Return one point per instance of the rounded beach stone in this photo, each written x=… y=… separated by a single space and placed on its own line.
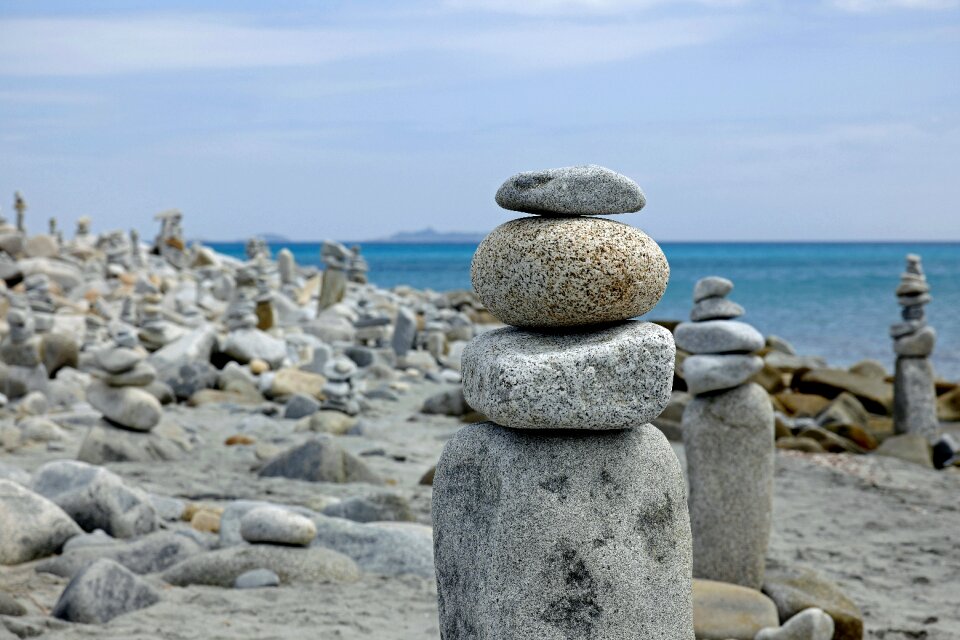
x=611 y=378
x=717 y=336
x=711 y=287
x=276 y=525
x=561 y=272
x=705 y=373
x=129 y=407
x=730 y=459
x=256 y=579
x=585 y=534
x=586 y=190
x=919 y=343
x=809 y=624
x=715 y=308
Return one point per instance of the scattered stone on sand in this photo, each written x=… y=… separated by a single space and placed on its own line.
x=321 y=459
x=274 y=525
x=723 y=611
x=103 y=591
x=33 y=527
x=809 y=624
x=912 y=447
x=257 y=579
x=795 y=589
x=151 y=553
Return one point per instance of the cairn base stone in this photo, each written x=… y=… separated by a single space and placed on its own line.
x=551 y=535
x=729 y=440
x=915 y=397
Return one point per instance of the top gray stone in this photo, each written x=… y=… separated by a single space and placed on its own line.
x=586 y=190
x=711 y=287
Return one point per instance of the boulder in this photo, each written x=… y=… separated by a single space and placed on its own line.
x=105 y=443
x=245 y=345
x=912 y=447
x=874 y=394
x=319 y=460
x=32 y=526
x=101 y=592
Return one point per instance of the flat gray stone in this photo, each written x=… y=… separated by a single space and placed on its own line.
x=717 y=336
x=377 y=549
x=106 y=443
x=715 y=309
x=809 y=624
x=32 y=526
x=96 y=498
x=404 y=331
x=586 y=190
x=119 y=359
x=154 y=552
x=711 y=287
x=141 y=375
x=245 y=345
x=611 y=378
x=276 y=525
x=914 y=397
x=129 y=407
x=729 y=441
x=378 y=507
x=293 y=565
x=300 y=405
x=256 y=579
x=319 y=460
x=917 y=344
x=562 y=272
x=101 y=592
x=706 y=373
x=585 y=534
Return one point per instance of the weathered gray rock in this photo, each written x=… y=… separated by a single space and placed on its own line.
x=140 y=375
x=105 y=443
x=154 y=552
x=187 y=378
x=195 y=346
x=915 y=397
x=319 y=460
x=276 y=525
x=378 y=507
x=256 y=579
x=809 y=624
x=706 y=373
x=795 y=588
x=717 y=336
x=38 y=429
x=57 y=351
x=14 y=474
x=376 y=549
x=245 y=345
x=128 y=407
x=562 y=272
x=730 y=460
x=404 y=331
x=450 y=402
x=32 y=526
x=586 y=190
x=96 y=498
x=119 y=359
x=711 y=287
x=918 y=344
x=300 y=405
x=611 y=378
x=586 y=534
x=293 y=565
x=715 y=309
x=10 y=607
x=101 y=592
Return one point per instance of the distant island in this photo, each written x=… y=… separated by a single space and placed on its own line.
x=432 y=236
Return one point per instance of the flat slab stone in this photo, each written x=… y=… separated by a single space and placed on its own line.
x=561 y=272
x=612 y=378
x=711 y=287
x=715 y=309
x=717 y=336
x=585 y=190
x=584 y=534
x=706 y=373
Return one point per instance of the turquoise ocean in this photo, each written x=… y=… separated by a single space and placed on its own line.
x=834 y=300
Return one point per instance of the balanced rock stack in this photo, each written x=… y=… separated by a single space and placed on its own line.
x=565 y=517
x=122 y=373
x=914 y=391
x=728 y=433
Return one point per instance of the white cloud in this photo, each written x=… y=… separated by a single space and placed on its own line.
x=108 y=46
x=866 y=6
x=560 y=7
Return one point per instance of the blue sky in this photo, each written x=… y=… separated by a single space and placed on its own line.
x=741 y=119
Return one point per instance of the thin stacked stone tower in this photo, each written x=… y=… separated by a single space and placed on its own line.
x=914 y=391
x=728 y=433
x=565 y=516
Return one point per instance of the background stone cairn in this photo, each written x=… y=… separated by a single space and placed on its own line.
x=121 y=374
x=914 y=393
x=728 y=432
x=565 y=517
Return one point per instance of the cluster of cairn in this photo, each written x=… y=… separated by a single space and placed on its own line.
x=565 y=515
x=728 y=433
x=914 y=398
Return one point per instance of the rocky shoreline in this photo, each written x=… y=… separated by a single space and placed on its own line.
x=248 y=447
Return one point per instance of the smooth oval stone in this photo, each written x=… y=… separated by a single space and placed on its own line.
x=711 y=287
x=586 y=190
x=562 y=272
x=718 y=336
x=119 y=359
x=717 y=372
x=611 y=378
x=715 y=309
x=277 y=525
x=916 y=344
x=257 y=579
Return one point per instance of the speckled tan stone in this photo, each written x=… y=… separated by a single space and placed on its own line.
x=561 y=272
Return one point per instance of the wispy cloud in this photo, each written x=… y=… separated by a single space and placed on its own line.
x=866 y=6
x=110 y=46
x=562 y=7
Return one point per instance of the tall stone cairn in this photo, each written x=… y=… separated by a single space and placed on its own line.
x=565 y=516
x=914 y=392
x=728 y=433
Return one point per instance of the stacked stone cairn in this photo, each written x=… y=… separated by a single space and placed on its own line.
x=914 y=390
x=333 y=285
x=728 y=433
x=122 y=373
x=565 y=516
